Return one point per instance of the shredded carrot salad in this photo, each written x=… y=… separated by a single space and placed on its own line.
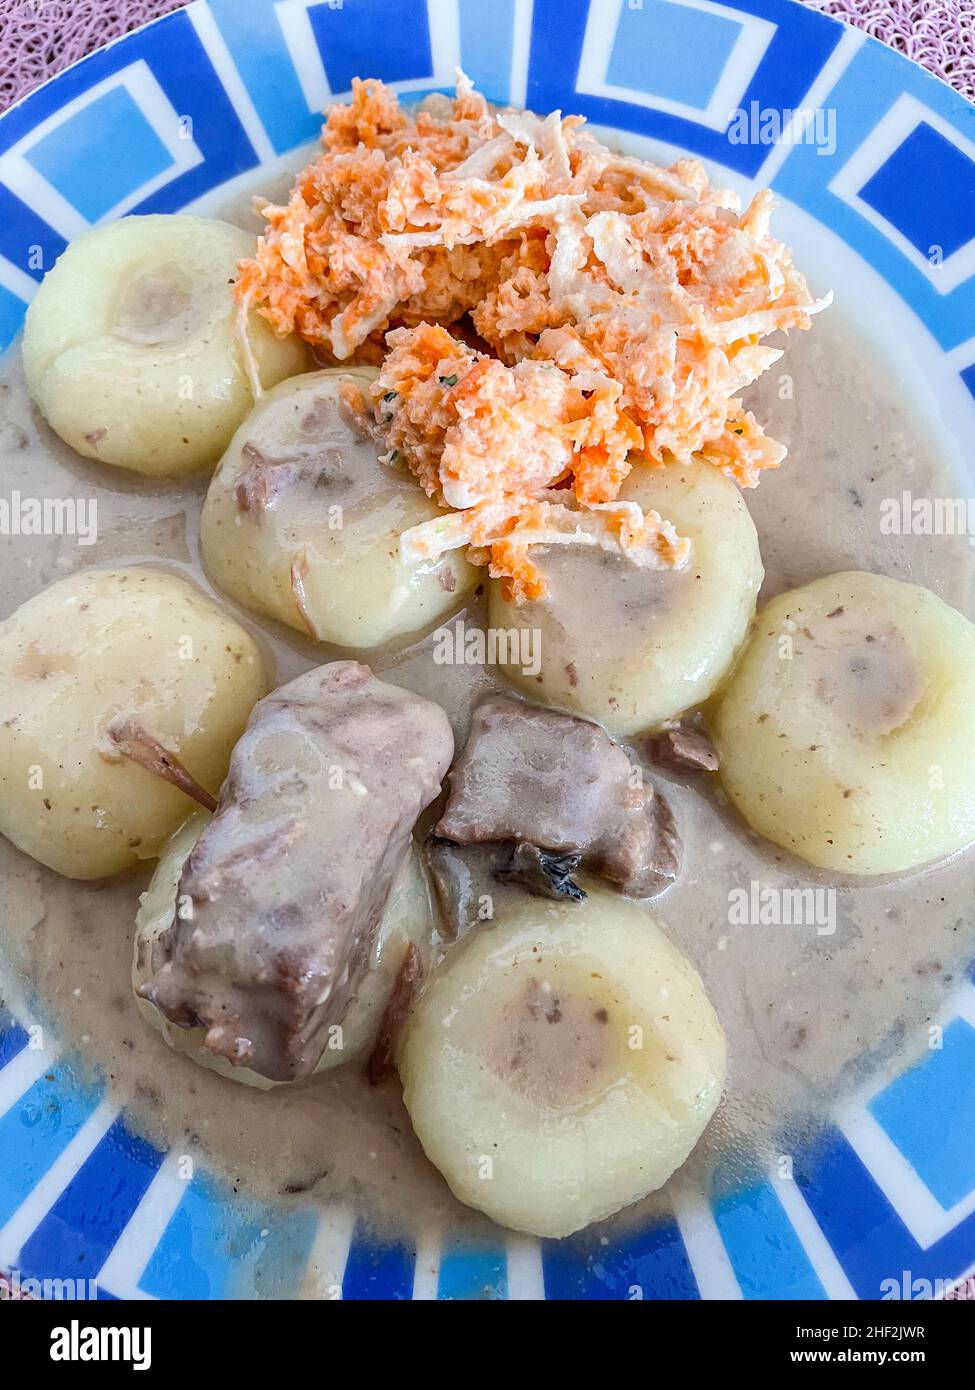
x=621 y=306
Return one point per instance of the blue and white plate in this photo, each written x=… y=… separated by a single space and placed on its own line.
x=875 y=162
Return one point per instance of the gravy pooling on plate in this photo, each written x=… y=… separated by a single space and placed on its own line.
x=803 y=1012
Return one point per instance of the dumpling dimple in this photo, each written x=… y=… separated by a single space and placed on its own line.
x=869 y=680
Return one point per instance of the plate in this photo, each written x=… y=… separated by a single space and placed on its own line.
x=874 y=160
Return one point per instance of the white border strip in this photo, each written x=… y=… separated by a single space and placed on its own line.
x=962 y=356
x=325 y=1270
x=964 y=1000
x=819 y=1252
x=916 y=1206
x=521 y=42
x=32 y=188
x=41 y=197
x=526 y=1277
x=42 y=1198
x=830 y=73
x=127 y=1260
x=17 y=281
x=20 y=1074
x=299 y=38
x=709 y=1259
x=426 y=1267
x=215 y=47
x=443 y=20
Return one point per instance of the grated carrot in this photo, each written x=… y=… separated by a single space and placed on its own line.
x=623 y=306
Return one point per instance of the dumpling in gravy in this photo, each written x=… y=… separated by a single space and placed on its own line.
x=302 y=523
x=846 y=733
x=633 y=647
x=131 y=344
x=407 y=922
x=562 y=1063
x=122 y=693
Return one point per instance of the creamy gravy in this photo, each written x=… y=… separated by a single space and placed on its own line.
x=805 y=1013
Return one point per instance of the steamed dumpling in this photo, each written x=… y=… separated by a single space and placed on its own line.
x=561 y=1063
x=302 y=523
x=131 y=344
x=103 y=656
x=846 y=734
x=634 y=647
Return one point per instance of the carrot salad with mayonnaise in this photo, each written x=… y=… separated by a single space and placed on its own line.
x=616 y=311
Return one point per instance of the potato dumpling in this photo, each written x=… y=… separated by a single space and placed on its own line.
x=102 y=676
x=846 y=732
x=302 y=523
x=633 y=647
x=131 y=346
x=407 y=920
x=562 y=1063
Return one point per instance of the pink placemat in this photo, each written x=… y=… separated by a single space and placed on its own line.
x=40 y=37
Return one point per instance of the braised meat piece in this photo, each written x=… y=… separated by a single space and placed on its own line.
x=282 y=893
x=561 y=784
x=683 y=750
